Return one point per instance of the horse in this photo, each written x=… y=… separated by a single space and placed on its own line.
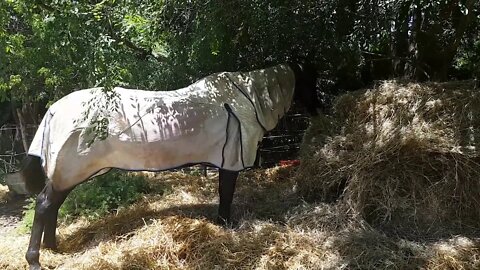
x=217 y=121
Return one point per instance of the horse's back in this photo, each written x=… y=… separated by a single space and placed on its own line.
x=146 y=131
x=205 y=146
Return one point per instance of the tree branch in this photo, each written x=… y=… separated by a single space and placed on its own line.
x=387 y=57
x=45 y=6
x=141 y=52
x=464 y=22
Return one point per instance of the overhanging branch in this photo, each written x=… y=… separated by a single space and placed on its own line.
x=141 y=52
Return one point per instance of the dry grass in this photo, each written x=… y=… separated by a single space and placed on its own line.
x=455 y=253
x=402 y=154
x=175 y=231
x=398 y=155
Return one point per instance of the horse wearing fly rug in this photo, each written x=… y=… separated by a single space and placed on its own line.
x=219 y=121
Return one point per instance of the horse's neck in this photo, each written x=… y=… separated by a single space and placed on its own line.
x=275 y=100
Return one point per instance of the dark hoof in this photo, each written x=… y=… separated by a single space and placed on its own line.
x=32 y=259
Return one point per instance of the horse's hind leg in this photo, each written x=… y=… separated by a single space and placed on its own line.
x=46 y=208
x=56 y=198
x=33 y=252
x=226 y=189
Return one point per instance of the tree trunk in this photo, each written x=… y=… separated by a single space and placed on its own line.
x=23 y=132
x=400 y=41
x=433 y=53
x=415 y=22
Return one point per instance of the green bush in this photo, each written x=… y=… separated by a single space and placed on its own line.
x=28 y=215
x=104 y=194
x=97 y=197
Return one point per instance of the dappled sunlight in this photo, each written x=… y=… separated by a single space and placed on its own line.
x=457 y=252
x=218 y=120
x=197 y=244
x=174 y=229
x=388 y=179
x=437 y=115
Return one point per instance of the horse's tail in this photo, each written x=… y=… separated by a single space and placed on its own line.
x=32 y=174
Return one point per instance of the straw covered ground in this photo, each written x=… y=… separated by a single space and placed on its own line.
x=388 y=181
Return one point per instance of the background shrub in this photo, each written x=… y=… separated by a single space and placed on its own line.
x=97 y=197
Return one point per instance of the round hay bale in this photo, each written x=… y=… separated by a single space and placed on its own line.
x=3 y=194
x=16 y=184
x=403 y=153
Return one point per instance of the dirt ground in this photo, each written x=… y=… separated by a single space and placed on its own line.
x=11 y=213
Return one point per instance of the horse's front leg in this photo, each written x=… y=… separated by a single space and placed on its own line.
x=46 y=209
x=226 y=189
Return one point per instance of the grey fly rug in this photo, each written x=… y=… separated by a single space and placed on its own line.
x=219 y=120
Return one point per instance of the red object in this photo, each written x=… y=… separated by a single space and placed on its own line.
x=292 y=162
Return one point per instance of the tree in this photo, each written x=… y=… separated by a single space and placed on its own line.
x=50 y=48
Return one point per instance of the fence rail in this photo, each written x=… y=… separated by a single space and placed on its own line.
x=12 y=149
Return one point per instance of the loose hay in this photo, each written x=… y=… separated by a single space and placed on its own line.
x=369 y=249
x=455 y=253
x=401 y=153
x=184 y=243
x=173 y=230
x=156 y=234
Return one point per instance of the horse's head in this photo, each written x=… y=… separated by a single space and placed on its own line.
x=306 y=87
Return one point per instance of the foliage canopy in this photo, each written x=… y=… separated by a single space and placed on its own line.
x=51 y=48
